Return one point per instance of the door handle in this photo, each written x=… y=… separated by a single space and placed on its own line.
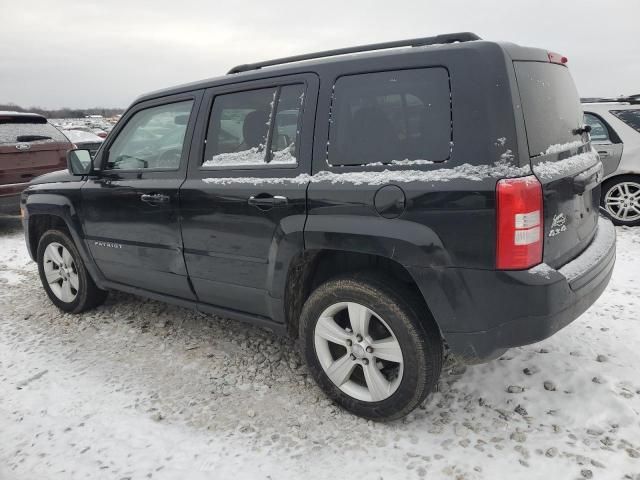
x=603 y=153
x=267 y=201
x=155 y=198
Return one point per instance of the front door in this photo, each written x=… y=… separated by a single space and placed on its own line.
x=130 y=208
x=244 y=200
x=606 y=142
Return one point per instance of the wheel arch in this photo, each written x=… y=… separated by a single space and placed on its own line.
x=44 y=211
x=311 y=268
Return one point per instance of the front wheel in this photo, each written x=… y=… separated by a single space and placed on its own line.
x=621 y=199
x=64 y=276
x=372 y=349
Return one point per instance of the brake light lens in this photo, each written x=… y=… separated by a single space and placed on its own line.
x=557 y=58
x=519 y=223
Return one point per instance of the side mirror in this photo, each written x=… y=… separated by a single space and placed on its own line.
x=79 y=162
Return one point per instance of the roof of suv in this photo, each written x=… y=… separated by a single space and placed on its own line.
x=376 y=52
x=22 y=116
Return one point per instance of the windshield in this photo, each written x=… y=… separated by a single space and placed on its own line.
x=30 y=132
x=550 y=104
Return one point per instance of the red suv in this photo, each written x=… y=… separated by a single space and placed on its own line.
x=29 y=146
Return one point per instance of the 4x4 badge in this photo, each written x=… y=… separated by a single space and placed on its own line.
x=558 y=225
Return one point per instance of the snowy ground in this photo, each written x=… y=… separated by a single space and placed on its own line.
x=139 y=389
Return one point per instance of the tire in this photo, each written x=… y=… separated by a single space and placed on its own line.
x=70 y=287
x=378 y=387
x=621 y=199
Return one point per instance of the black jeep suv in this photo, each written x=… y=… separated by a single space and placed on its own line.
x=384 y=204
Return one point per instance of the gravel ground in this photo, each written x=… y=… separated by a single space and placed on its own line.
x=139 y=389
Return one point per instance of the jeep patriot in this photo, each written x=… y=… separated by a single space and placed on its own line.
x=384 y=204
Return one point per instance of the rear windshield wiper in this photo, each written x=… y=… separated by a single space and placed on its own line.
x=31 y=138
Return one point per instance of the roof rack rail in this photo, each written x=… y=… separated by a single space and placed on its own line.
x=632 y=99
x=413 y=42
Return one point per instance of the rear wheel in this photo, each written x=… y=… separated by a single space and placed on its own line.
x=621 y=199
x=64 y=276
x=372 y=349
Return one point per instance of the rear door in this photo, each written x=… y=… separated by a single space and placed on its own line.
x=561 y=157
x=243 y=204
x=130 y=208
x=606 y=142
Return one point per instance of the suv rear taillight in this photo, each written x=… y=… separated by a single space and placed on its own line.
x=519 y=223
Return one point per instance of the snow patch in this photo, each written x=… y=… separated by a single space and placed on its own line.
x=601 y=245
x=561 y=147
x=252 y=157
x=466 y=172
x=575 y=164
x=542 y=270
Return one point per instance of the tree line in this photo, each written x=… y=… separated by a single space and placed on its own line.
x=64 y=112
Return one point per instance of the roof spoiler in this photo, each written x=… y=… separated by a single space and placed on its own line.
x=413 y=42
x=632 y=99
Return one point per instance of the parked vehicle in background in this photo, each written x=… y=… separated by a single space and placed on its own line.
x=615 y=132
x=29 y=146
x=376 y=206
x=99 y=132
x=84 y=140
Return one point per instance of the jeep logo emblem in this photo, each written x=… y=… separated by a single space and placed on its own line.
x=558 y=225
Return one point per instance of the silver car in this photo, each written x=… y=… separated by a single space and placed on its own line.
x=615 y=132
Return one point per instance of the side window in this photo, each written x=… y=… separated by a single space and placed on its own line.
x=254 y=128
x=599 y=132
x=391 y=117
x=152 y=139
x=630 y=117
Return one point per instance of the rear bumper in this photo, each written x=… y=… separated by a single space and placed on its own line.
x=491 y=311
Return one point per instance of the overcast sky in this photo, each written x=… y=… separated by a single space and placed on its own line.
x=86 y=53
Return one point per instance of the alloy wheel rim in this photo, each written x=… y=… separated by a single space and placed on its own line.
x=358 y=351
x=61 y=272
x=622 y=201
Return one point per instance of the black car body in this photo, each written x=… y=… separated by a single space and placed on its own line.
x=424 y=207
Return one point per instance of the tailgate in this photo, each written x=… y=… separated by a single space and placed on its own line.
x=28 y=150
x=561 y=157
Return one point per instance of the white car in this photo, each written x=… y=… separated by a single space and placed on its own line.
x=83 y=139
x=615 y=132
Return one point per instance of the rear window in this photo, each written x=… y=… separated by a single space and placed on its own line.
x=630 y=117
x=388 y=117
x=550 y=104
x=30 y=133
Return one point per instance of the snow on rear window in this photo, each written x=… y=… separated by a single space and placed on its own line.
x=568 y=166
x=29 y=132
x=561 y=147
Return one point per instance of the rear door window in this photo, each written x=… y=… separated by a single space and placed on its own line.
x=255 y=128
x=550 y=104
x=391 y=117
x=599 y=132
x=630 y=117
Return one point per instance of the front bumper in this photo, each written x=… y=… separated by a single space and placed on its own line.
x=482 y=313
